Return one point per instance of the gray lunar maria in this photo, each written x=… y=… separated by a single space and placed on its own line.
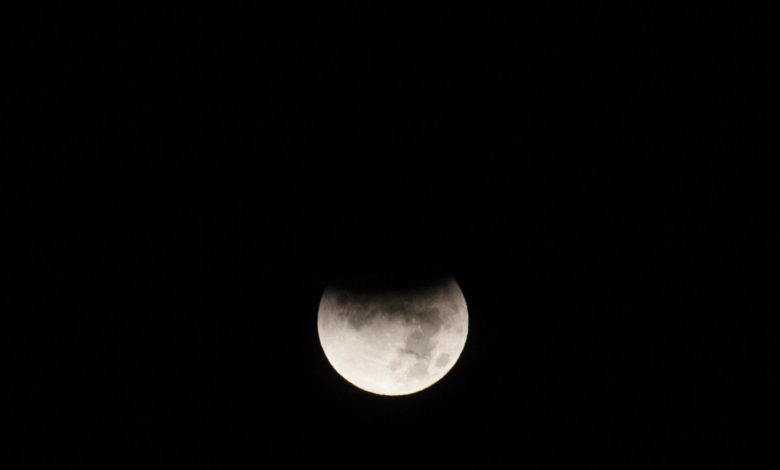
x=393 y=342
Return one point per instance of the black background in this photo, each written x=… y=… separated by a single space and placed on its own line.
x=186 y=181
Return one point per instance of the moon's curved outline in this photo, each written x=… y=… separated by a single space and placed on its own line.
x=385 y=343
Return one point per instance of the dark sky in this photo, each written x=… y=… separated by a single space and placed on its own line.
x=190 y=179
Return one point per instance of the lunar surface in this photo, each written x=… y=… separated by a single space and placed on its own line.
x=393 y=342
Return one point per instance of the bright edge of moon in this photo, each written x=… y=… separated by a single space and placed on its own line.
x=393 y=342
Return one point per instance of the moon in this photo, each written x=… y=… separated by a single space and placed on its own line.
x=393 y=341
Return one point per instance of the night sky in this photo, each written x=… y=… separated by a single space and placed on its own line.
x=185 y=182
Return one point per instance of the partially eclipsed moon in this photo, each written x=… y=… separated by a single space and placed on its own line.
x=393 y=342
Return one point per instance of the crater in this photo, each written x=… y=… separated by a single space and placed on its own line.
x=418 y=371
x=442 y=360
x=419 y=345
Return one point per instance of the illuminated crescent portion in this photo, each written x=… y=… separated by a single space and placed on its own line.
x=393 y=342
